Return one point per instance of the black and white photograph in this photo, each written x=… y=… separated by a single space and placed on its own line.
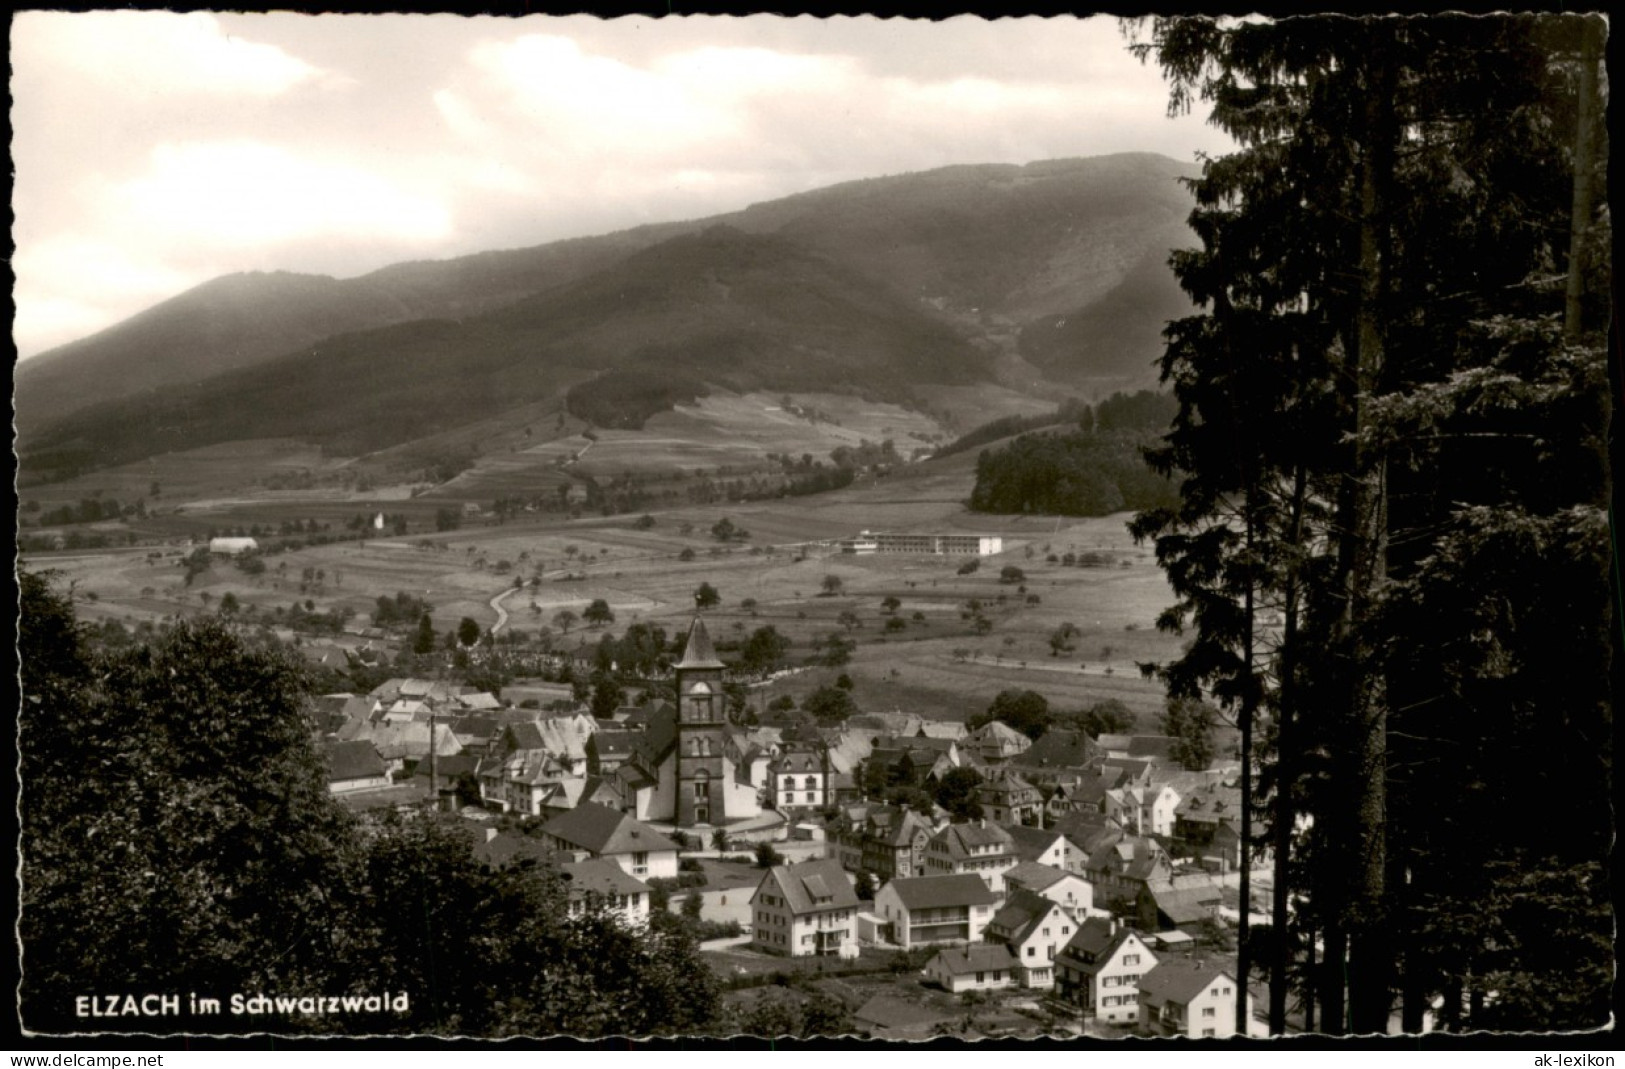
x=829 y=530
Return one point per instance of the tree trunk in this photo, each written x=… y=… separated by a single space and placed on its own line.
x=1249 y=706
x=1332 y=979
x=1285 y=773
x=1584 y=151
x=1366 y=526
x=1309 y=987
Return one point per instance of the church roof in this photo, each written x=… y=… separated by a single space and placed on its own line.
x=698 y=651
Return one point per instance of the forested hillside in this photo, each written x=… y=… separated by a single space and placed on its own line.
x=1094 y=469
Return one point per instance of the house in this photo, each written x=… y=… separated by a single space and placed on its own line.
x=983 y=849
x=1006 y=798
x=1034 y=929
x=980 y=967
x=602 y=882
x=498 y=849
x=1186 y=902
x=943 y=729
x=595 y=830
x=354 y=766
x=1197 y=999
x=1070 y=891
x=232 y=547
x=804 y=910
x=995 y=742
x=921 y=910
x=1088 y=832
x=888 y=841
x=1121 y=870
x=920 y=757
x=1100 y=970
x=1057 y=749
x=800 y=778
x=1046 y=847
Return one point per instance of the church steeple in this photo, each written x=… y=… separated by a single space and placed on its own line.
x=703 y=768
x=698 y=651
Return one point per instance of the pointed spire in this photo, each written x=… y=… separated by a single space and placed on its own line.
x=698 y=651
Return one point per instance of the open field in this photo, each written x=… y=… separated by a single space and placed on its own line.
x=935 y=665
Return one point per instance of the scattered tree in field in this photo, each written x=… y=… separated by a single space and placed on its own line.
x=969 y=567
x=1025 y=710
x=829 y=705
x=468 y=631
x=598 y=614
x=564 y=619
x=890 y=605
x=687 y=554
x=706 y=596
x=724 y=530
x=1063 y=639
x=1010 y=574
x=765 y=650
x=849 y=620
x=644 y=522
x=832 y=585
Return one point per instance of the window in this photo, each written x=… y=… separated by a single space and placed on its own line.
x=702 y=789
x=1207 y=1031
x=998 y=975
x=1210 y=1011
x=809 y=797
x=809 y=783
x=789 y=781
x=1131 y=959
x=1046 y=933
x=980 y=977
x=1032 y=952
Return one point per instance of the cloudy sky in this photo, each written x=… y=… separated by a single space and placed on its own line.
x=154 y=151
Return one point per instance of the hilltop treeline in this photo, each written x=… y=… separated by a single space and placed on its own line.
x=625 y=398
x=1069 y=411
x=1094 y=469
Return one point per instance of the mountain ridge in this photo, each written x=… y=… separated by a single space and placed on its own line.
x=958 y=258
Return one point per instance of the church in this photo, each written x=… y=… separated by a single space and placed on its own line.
x=688 y=765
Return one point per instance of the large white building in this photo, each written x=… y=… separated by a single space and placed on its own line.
x=950 y=545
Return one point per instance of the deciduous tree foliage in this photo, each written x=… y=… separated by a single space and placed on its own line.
x=178 y=836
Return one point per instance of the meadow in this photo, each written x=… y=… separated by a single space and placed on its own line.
x=935 y=665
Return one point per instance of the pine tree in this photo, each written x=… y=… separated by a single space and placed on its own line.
x=1400 y=182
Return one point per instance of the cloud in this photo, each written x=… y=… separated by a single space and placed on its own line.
x=69 y=280
x=158 y=53
x=245 y=193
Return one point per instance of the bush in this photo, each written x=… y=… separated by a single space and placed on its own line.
x=969 y=567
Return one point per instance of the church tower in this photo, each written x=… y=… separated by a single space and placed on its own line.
x=701 y=733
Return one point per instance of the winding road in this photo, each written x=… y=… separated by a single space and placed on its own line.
x=502 y=614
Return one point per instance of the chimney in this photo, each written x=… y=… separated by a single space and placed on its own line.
x=1111 y=925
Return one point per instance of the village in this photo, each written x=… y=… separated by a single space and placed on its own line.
x=1084 y=885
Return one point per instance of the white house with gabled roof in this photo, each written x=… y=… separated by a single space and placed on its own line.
x=805 y=910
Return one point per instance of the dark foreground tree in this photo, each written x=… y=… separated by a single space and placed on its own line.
x=178 y=836
x=1395 y=386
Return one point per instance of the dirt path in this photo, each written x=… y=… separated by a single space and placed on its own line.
x=502 y=614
